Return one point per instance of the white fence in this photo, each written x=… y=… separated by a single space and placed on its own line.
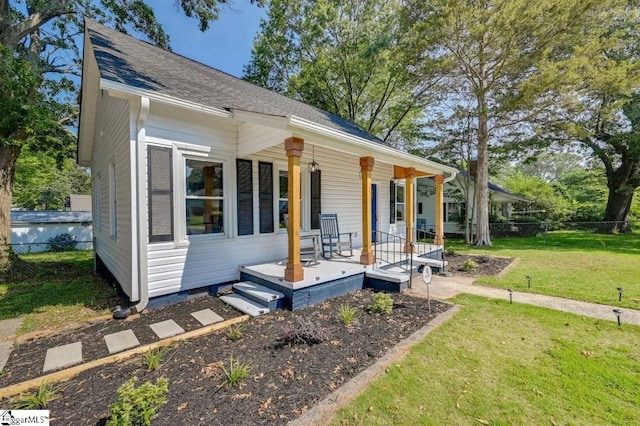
x=30 y=230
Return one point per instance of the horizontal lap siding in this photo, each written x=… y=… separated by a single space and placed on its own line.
x=112 y=141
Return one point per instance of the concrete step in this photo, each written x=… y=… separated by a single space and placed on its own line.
x=260 y=294
x=245 y=305
x=388 y=275
x=428 y=261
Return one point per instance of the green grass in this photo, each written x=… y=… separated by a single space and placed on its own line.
x=572 y=264
x=52 y=290
x=502 y=364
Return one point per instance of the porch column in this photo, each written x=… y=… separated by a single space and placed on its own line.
x=294 y=147
x=366 y=167
x=410 y=174
x=439 y=238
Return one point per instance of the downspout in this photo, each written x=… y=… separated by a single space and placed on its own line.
x=139 y=242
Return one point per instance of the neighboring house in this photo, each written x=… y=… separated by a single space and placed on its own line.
x=80 y=203
x=30 y=230
x=193 y=170
x=453 y=205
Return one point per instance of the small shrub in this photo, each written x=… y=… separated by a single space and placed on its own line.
x=483 y=259
x=62 y=242
x=235 y=332
x=382 y=304
x=451 y=251
x=305 y=331
x=138 y=406
x=347 y=314
x=46 y=393
x=236 y=373
x=469 y=265
x=152 y=358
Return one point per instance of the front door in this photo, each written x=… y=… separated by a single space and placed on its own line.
x=374 y=211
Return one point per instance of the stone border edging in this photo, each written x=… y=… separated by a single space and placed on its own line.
x=322 y=412
x=71 y=372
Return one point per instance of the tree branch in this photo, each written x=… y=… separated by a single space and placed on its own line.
x=10 y=36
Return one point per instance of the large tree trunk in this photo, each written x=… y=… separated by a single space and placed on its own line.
x=616 y=215
x=8 y=157
x=483 y=236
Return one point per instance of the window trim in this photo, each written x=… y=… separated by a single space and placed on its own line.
x=113 y=200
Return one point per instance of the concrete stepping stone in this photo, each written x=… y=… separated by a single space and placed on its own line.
x=167 y=328
x=121 y=341
x=207 y=317
x=63 y=356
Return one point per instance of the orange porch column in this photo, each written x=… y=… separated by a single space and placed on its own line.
x=410 y=174
x=294 y=147
x=439 y=238
x=366 y=167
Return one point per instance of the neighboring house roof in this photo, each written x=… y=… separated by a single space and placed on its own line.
x=509 y=196
x=33 y=217
x=139 y=64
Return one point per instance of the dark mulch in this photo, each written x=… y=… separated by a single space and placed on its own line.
x=285 y=380
x=487 y=265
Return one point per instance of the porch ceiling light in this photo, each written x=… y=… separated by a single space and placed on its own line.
x=313 y=166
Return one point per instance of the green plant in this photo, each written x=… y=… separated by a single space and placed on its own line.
x=62 y=242
x=46 y=393
x=304 y=331
x=152 y=358
x=451 y=251
x=347 y=314
x=235 y=332
x=382 y=304
x=138 y=406
x=469 y=265
x=236 y=373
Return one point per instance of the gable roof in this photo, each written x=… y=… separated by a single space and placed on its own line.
x=493 y=187
x=126 y=60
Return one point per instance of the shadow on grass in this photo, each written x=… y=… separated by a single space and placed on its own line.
x=563 y=241
x=37 y=281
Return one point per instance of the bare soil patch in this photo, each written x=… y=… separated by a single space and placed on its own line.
x=285 y=379
x=487 y=265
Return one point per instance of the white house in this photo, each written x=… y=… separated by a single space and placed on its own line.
x=453 y=204
x=193 y=170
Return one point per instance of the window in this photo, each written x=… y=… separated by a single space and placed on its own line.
x=400 y=213
x=419 y=208
x=244 y=173
x=204 y=197
x=450 y=212
x=283 y=196
x=113 y=201
x=265 y=183
x=160 y=166
x=316 y=204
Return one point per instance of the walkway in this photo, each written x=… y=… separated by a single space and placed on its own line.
x=448 y=287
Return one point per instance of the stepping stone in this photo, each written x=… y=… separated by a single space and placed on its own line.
x=121 y=341
x=167 y=328
x=63 y=356
x=207 y=317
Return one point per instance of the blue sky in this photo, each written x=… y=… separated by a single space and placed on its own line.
x=226 y=45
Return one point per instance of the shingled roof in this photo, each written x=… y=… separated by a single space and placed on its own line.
x=139 y=64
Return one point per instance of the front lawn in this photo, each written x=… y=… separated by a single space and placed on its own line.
x=52 y=290
x=496 y=363
x=572 y=264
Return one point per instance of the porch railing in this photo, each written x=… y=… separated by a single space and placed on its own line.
x=395 y=251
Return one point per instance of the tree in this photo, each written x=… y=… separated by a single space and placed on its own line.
x=504 y=56
x=36 y=94
x=346 y=57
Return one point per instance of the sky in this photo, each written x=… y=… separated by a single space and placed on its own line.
x=226 y=45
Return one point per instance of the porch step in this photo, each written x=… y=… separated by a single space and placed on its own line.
x=262 y=295
x=435 y=263
x=386 y=275
x=245 y=305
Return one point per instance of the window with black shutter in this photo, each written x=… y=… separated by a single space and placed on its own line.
x=392 y=202
x=160 y=193
x=265 y=179
x=244 y=172
x=316 y=205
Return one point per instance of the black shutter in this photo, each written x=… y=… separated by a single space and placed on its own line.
x=244 y=174
x=265 y=175
x=316 y=204
x=160 y=167
x=392 y=202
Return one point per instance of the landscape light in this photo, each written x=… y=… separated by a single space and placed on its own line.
x=620 y=290
x=618 y=312
x=510 y=295
x=529 y=280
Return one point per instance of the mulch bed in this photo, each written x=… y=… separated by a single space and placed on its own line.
x=487 y=265
x=285 y=380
